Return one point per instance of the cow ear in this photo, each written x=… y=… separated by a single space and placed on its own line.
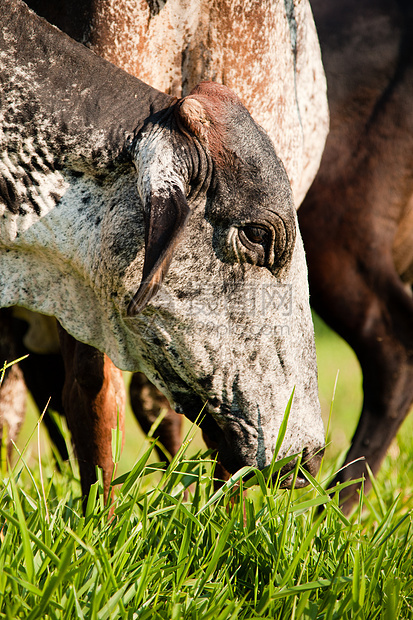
x=166 y=218
x=193 y=116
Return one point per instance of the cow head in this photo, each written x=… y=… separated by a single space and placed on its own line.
x=230 y=327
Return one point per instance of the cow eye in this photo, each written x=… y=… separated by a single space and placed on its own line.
x=256 y=234
x=255 y=243
x=261 y=243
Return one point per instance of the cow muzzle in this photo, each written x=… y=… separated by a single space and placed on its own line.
x=310 y=462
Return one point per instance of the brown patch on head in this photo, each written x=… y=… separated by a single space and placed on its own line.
x=206 y=113
x=217 y=95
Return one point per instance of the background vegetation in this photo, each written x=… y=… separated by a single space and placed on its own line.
x=246 y=552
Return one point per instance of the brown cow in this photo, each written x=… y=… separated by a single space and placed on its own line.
x=357 y=219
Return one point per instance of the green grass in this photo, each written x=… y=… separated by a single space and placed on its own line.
x=173 y=549
x=246 y=552
x=339 y=375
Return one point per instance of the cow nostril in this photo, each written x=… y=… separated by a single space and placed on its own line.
x=311 y=461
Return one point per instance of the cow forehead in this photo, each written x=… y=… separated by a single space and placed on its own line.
x=236 y=141
x=248 y=156
x=253 y=185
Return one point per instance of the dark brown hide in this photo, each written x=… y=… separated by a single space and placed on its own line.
x=356 y=220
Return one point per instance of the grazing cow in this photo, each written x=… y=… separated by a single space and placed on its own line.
x=357 y=219
x=266 y=52
x=12 y=392
x=161 y=231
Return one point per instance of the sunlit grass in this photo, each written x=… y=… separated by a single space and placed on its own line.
x=175 y=549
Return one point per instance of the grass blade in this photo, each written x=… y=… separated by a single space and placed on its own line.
x=28 y=553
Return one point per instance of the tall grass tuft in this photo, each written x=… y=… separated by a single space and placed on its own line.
x=168 y=547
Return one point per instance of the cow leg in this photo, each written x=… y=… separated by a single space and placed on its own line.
x=44 y=377
x=93 y=398
x=221 y=475
x=12 y=389
x=384 y=346
x=363 y=299
x=147 y=403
